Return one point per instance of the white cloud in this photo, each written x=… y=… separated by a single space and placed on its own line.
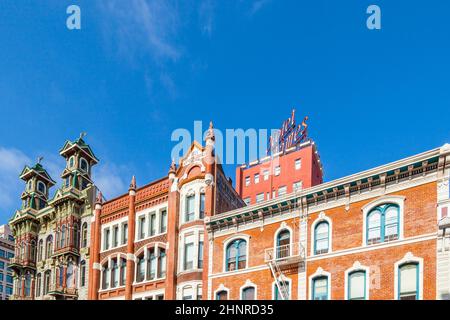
x=109 y=178
x=257 y=5
x=138 y=26
x=12 y=162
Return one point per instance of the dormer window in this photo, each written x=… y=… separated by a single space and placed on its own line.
x=41 y=187
x=84 y=165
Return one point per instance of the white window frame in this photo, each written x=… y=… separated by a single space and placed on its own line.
x=256 y=178
x=282 y=227
x=221 y=288
x=357 y=267
x=366 y=209
x=322 y=218
x=247 y=181
x=225 y=244
x=298 y=162
x=277 y=171
x=248 y=283
x=408 y=258
x=319 y=273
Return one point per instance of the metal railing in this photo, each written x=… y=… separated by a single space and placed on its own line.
x=284 y=252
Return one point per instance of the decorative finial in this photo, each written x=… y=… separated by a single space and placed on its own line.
x=173 y=167
x=133 y=183
x=39 y=159
x=82 y=135
x=210 y=134
x=99 y=198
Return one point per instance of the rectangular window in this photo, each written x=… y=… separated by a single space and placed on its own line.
x=1 y=276
x=9 y=278
x=320 y=288
x=297 y=186
x=9 y=291
x=141 y=228
x=200 y=255
x=247 y=201
x=247 y=181
x=257 y=178
x=106 y=239
x=202 y=205
x=2 y=253
x=163 y=223
x=125 y=233
x=260 y=197
x=277 y=170
x=357 y=285
x=266 y=175
x=190 y=208
x=152 y=224
x=2 y=265
x=298 y=164
x=152 y=270
x=115 y=236
x=189 y=253
x=409 y=275
x=282 y=191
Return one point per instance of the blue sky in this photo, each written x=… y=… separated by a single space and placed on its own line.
x=137 y=70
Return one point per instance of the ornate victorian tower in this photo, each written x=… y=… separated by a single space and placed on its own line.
x=54 y=233
x=25 y=226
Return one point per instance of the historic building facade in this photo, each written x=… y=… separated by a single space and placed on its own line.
x=151 y=243
x=6 y=253
x=378 y=234
x=52 y=234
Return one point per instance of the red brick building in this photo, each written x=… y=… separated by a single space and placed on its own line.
x=289 y=171
x=151 y=243
x=378 y=234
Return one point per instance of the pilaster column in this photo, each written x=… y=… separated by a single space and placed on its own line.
x=33 y=280
x=172 y=234
x=210 y=160
x=131 y=236
x=94 y=259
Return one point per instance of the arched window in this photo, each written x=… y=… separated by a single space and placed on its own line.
x=248 y=293
x=47 y=279
x=357 y=285
x=320 y=288
x=123 y=271
x=321 y=237
x=140 y=270
x=115 y=273
x=71 y=162
x=286 y=286
x=222 y=295
x=283 y=244
x=84 y=165
x=38 y=285
x=83 y=273
x=75 y=235
x=162 y=263
x=32 y=250
x=60 y=276
x=49 y=247
x=70 y=275
x=383 y=223
x=84 y=235
x=408 y=282
x=188 y=293
x=236 y=255
x=151 y=264
x=62 y=240
x=40 y=250
x=105 y=276
x=41 y=187
x=27 y=285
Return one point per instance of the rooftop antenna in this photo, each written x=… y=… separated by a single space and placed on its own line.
x=39 y=160
x=82 y=135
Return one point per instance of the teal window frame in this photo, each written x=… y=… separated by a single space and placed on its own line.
x=382 y=209
x=316 y=227
x=314 y=287
x=276 y=293
x=350 y=282
x=417 y=266
x=238 y=258
x=280 y=253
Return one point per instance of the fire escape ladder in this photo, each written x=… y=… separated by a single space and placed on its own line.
x=277 y=274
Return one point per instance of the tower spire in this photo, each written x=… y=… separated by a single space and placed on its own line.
x=133 y=183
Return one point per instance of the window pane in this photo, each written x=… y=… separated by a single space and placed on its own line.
x=357 y=285
x=248 y=293
x=408 y=279
x=320 y=288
